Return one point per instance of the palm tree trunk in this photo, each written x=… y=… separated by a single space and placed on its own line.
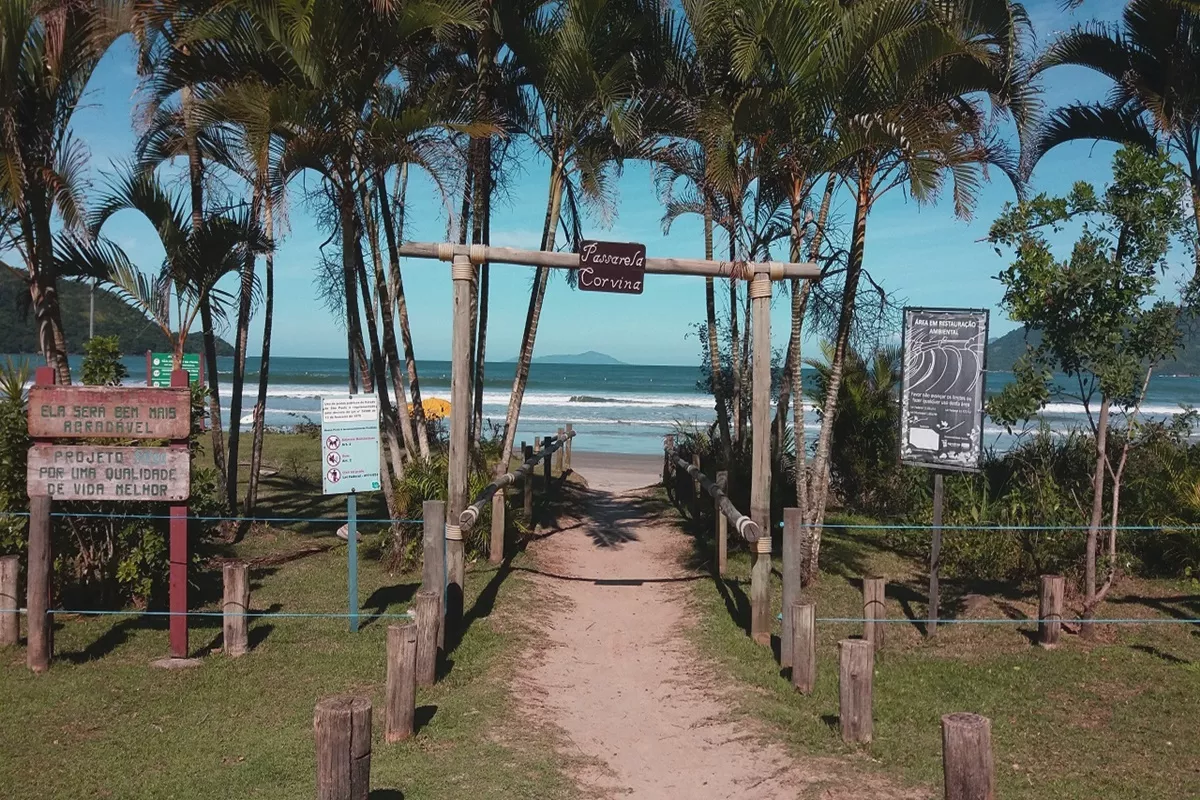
x=818 y=492
x=525 y=359
x=789 y=376
x=383 y=298
x=714 y=345
x=393 y=228
x=734 y=347
x=354 y=336
x=239 y=360
x=378 y=375
x=260 y=405
x=481 y=234
x=1087 y=626
x=44 y=287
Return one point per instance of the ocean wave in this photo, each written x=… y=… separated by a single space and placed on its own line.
x=1077 y=409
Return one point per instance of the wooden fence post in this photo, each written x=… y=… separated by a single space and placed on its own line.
x=10 y=620
x=235 y=606
x=546 y=442
x=401 y=681
x=669 y=465
x=526 y=454
x=760 y=589
x=433 y=566
x=462 y=273
x=560 y=454
x=793 y=526
x=37 y=587
x=759 y=293
x=722 y=526
x=496 y=548
x=1050 y=609
x=428 y=609
x=567 y=446
x=874 y=611
x=696 y=481
x=856 y=667
x=804 y=646
x=967 y=764
x=343 y=730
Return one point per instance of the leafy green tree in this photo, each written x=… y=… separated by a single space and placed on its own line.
x=102 y=365
x=1101 y=313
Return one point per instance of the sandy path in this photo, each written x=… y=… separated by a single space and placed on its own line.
x=624 y=684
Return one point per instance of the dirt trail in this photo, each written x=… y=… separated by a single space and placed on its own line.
x=623 y=682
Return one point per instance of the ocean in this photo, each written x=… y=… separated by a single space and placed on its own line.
x=614 y=408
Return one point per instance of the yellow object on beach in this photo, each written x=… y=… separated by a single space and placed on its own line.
x=434 y=407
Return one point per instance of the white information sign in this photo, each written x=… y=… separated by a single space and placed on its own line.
x=350 y=444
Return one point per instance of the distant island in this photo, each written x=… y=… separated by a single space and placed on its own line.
x=1004 y=351
x=590 y=358
x=114 y=317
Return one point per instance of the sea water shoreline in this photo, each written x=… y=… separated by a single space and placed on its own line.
x=621 y=409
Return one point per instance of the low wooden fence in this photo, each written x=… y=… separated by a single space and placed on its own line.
x=557 y=448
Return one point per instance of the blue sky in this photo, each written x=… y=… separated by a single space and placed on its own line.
x=923 y=255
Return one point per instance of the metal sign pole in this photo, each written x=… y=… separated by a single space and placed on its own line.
x=352 y=556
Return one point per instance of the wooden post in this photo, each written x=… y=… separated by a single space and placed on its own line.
x=567 y=446
x=793 y=526
x=935 y=555
x=967 y=765
x=546 y=442
x=804 y=646
x=343 y=731
x=433 y=567
x=236 y=605
x=760 y=589
x=856 y=666
x=10 y=620
x=526 y=454
x=760 y=408
x=178 y=552
x=1050 y=609
x=37 y=586
x=496 y=548
x=669 y=465
x=696 y=481
x=428 y=609
x=561 y=453
x=874 y=611
x=463 y=274
x=722 y=525
x=401 y=681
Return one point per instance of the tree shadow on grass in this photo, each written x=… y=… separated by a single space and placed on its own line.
x=736 y=602
x=385 y=794
x=384 y=598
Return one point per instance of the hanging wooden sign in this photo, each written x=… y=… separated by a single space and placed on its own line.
x=108 y=412
x=95 y=472
x=616 y=267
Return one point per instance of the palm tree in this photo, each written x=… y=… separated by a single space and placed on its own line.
x=196 y=258
x=1152 y=58
x=48 y=52
x=910 y=110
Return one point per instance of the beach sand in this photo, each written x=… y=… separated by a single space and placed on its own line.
x=617 y=472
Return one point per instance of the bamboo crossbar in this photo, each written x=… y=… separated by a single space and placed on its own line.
x=776 y=270
x=746 y=527
x=470 y=515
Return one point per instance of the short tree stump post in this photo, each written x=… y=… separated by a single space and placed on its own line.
x=722 y=525
x=401 y=681
x=496 y=546
x=804 y=646
x=1050 y=610
x=433 y=563
x=343 y=730
x=967 y=757
x=856 y=668
x=235 y=607
x=874 y=611
x=429 y=610
x=10 y=619
x=793 y=528
x=760 y=590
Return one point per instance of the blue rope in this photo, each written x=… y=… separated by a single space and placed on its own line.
x=101 y=515
x=998 y=528
x=301 y=614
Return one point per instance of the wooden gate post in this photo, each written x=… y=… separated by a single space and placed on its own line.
x=1050 y=609
x=527 y=481
x=546 y=442
x=804 y=646
x=496 y=547
x=463 y=273
x=967 y=766
x=433 y=566
x=235 y=606
x=856 y=666
x=722 y=525
x=567 y=446
x=343 y=731
x=874 y=611
x=401 y=681
x=793 y=526
x=10 y=620
x=760 y=476
x=561 y=453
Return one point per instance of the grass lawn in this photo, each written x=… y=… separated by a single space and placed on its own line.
x=1113 y=719
x=103 y=723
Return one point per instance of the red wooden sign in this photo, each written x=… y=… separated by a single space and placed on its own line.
x=108 y=412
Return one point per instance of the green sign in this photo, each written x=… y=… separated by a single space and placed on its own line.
x=161 y=364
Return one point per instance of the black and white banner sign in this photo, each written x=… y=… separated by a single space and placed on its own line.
x=942 y=394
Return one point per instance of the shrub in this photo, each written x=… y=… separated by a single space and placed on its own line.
x=102 y=365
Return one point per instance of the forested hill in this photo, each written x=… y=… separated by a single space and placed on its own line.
x=1004 y=351
x=18 y=329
